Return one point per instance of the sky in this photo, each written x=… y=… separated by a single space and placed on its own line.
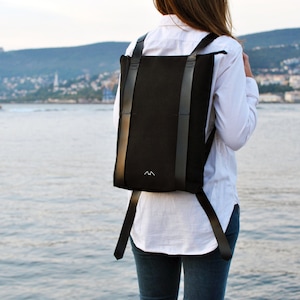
x=27 y=24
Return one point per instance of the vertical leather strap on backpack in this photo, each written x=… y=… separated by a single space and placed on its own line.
x=184 y=112
x=125 y=113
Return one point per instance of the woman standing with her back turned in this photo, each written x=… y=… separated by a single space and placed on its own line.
x=171 y=230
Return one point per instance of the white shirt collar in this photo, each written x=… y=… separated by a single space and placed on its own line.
x=171 y=20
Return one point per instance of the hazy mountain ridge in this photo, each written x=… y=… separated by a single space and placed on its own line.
x=266 y=49
x=68 y=62
x=271 y=38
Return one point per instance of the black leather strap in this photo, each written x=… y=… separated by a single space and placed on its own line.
x=138 y=50
x=204 y=42
x=209 y=142
x=184 y=112
x=125 y=110
x=224 y=248
x=126 y=228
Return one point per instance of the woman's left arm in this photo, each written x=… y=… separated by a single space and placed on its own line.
x=235 y=99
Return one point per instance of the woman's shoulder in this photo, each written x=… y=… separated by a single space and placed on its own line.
x=130 y=47
x=227 y=43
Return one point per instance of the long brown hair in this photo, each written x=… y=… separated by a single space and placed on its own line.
x=207 y=15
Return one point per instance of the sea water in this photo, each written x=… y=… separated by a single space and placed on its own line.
x=60 y=215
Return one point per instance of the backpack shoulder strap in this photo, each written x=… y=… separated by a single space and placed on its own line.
x=224 y=247
x=138 y=50
x=128 y=221
x=204 y=42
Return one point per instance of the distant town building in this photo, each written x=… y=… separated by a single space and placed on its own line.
x=107 y=95
x=271 y=98
x=295 y=81
x=292 y=97
x=95 y=86
x=268 y=79
x=55 y=83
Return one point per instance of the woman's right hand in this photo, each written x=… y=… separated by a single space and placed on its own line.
x=247 y=66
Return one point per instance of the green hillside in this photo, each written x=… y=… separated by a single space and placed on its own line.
x=271 y=58
x=271 y=38
x=266 y=50
x=68 y=62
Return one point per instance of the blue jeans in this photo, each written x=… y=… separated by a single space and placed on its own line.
x=205 y=276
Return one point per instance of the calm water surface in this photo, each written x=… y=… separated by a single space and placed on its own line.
x=60 y=216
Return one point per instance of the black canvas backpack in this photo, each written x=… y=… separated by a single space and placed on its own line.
x=161 y=143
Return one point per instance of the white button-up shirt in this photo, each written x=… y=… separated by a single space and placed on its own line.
x=175 y=223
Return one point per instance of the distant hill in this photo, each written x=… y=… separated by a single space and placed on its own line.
x=69 y=62
x=271 y=38
x=266 y=50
